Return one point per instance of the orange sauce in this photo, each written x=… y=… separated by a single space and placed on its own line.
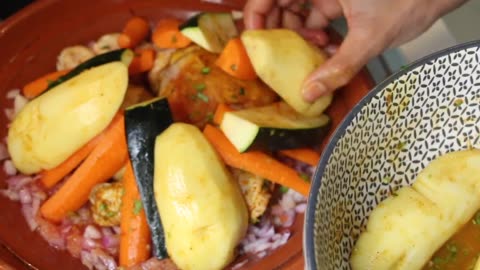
x=461 y=251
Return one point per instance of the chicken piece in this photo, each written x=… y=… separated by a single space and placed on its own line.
x=106 y=200
x=135 y=94
x=195 y=86
x=70 y=57
x=256 y=191
x=106 y=43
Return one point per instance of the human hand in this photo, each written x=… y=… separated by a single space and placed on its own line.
x=373 y=26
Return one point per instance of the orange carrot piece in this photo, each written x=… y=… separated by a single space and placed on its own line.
x=104 y=161
x=234 y=60
x=255 y=162
x=167 y=35
x=51 y=177
x=305 y=155
x=38 y=86
x=220 y=112
x=135 y=233
x=135 y=31
x=142 y=62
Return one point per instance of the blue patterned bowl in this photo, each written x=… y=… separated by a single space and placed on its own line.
x=428 y=109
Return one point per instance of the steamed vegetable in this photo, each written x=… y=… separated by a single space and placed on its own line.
x=142 y=62
x=122 y=55
x=305 y=155
x=135 y=236
x=104 y=161
x=135 y=31
x=234 y=61
x=255 y=162
x=283 y=60
x=273 y=127
x=38 y=86
x=202 y=209
x=143 y=123
x=210 y=31
x=50 y=128
x=167 y=35
x=405 y=230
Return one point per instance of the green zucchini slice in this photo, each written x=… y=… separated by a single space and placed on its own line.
x=143 y=122
x=123 y=55
x=210 y=31
x=274 y=127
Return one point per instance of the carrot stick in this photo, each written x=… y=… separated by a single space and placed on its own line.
x=51 y=177
x=305 y=155
x=135 y=236
x=142 y=62
x=135 y=31
x=255 y=162
x=104 y=161
x=38 y=86
x=234 y=60
x=167 y=35
x=220 y=112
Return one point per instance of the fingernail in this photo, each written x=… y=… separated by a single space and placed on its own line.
x=313 y=91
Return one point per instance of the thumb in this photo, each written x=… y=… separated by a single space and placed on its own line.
x=355 y=51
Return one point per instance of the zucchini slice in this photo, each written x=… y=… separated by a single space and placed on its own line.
x=123 y=55
x=273 y=127
x=210 y=31
x=143 y=122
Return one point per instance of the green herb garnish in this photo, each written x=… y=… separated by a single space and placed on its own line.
x=458 y=102
x=205 y=70
x=387 y=180
x=200 y=87
x=242 y=92
x=233 y=67
x=137 y=207
x=400 y=145
x=209 y=117
x=283 y=189
x=202 y=97
x=304 y=176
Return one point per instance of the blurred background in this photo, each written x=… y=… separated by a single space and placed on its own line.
x=457 y=27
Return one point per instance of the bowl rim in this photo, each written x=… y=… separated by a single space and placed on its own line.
x=308 y=229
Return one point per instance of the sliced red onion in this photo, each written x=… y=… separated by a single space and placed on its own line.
x=10 y=194
x=301 y=208
x=9 y=168
x=10 y=114
x=116 y=229
x=92 y=233
x=19 y=181
x=239 y=265
x=110 y=241
x=50 y=232
x=87 y=259
x=13 y=93
x=3 y=152
x=18 y=104
x=29 y=217
x=104 y=261
x=25 y=196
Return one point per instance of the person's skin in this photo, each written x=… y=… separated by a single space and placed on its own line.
x=373 y=26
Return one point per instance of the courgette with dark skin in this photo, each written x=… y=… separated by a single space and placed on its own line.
x=143 y=123
x=210 y=30
x=273 y=127
x=123 y=55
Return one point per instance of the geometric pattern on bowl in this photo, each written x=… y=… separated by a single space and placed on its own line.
x=429 y=109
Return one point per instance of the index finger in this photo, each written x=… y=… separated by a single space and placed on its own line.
x=255 y=12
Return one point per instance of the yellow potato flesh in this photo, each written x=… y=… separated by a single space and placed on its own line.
x=283 y=60
x=404 y=231
x=54 y=125
x=203 y=213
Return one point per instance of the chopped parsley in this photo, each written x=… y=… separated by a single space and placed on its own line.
x=476 y=219
x=137 y=207
x=283 y=189
x=174 y=39
x=205 y=70
x=200 y=87
x=401 y=145
x=209 y=117
x=105 y=47
x=458 y=102
x=233 y=67
x=202 y=97
x=242 y=91
x=387 y=180
x=304 y=176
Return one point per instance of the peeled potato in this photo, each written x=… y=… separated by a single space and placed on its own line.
x=54 y=125
x=404 y=231
x=283 y=60
x=203 y=213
